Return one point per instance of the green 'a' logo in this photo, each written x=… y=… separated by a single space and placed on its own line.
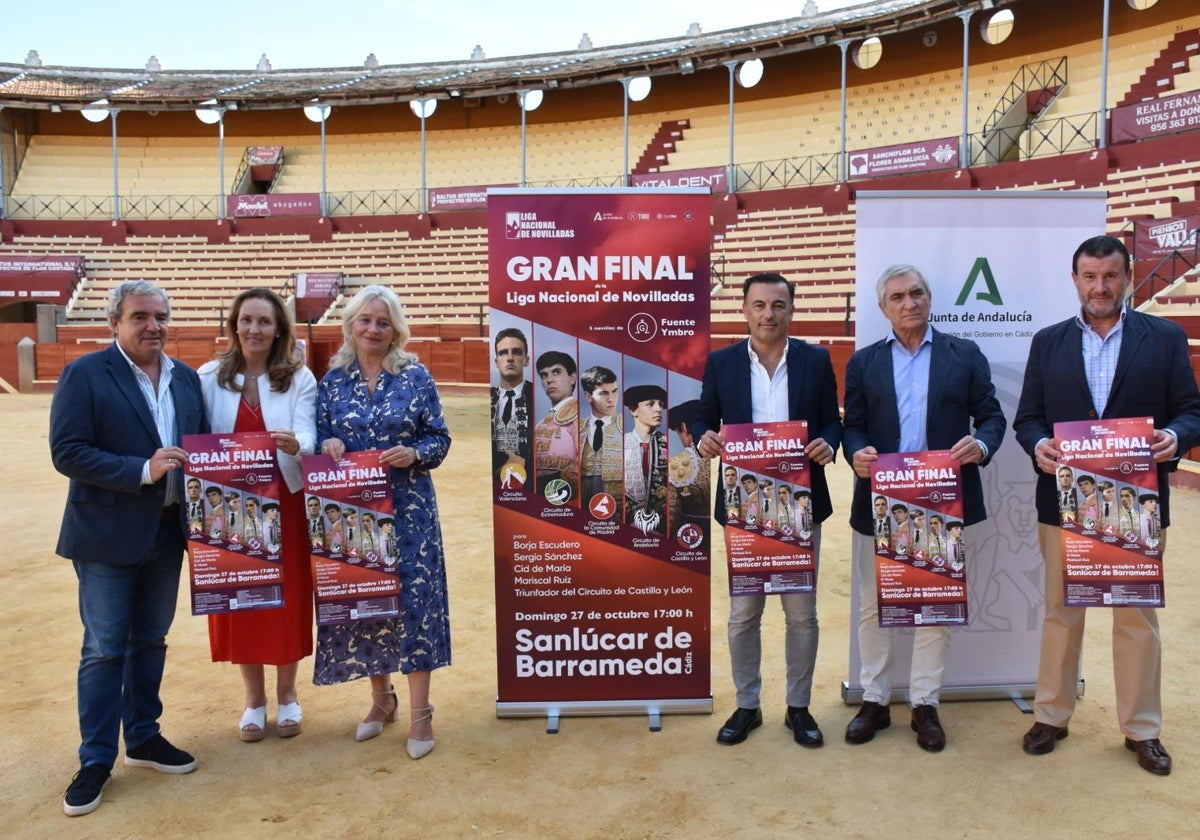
x=991 y=294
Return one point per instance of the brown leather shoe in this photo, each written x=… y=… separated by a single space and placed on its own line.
x=871 y=718
x=930 y=735
x=1151 y=755
x=1041 y=737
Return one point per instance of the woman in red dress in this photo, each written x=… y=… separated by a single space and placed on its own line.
x=261 y=384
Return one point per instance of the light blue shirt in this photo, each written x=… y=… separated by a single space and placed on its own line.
x=1100 y=359
x=910 y=376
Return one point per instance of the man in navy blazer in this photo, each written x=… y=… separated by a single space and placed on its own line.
x=749 y=382
x=917 y=389
x=1108 y=361
x=116 y=424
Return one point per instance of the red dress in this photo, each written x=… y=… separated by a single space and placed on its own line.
x=279 y=636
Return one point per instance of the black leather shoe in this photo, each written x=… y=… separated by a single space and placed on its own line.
x=871 y=718
x=738 y=727
x=930 y=735
x=804 y=728
x=1041 y=737
x=1151 y=755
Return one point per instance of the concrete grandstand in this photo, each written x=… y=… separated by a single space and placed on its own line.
x=891 y=94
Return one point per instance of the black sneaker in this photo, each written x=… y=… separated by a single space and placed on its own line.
x=159 y=754
x=86 y=790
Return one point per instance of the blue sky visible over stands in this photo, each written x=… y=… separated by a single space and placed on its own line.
x=232 y=34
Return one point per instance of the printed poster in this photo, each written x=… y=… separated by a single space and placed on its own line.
x=767 y=484
x=601 y=505
x=231 y=504
x=352 y=537
x=921 y=556
x=1108 y=505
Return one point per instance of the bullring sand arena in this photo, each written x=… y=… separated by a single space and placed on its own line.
x=605 y=777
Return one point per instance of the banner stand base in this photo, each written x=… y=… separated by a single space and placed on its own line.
x=652 y=709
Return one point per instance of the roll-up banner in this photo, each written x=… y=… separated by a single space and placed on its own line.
x=999 y=268
x=599 y=334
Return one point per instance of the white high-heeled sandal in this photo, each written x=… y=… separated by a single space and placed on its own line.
x=253 y=716
x=287 y=725
x=417 y=748
x=369 y=729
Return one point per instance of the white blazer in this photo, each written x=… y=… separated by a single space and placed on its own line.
x=295 y=409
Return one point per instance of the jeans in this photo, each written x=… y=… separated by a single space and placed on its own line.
x=126 y=613
x=800 y=642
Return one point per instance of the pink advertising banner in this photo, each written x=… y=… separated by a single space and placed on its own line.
x=1108 y=504
x=921 y=156
x=1157 y=238
x=231 y=503
x=920 y=553
x=713 y=178
x=601 y=508
x=768 y=495
x=352 y=538
x=274 y=204
x=1165 y=115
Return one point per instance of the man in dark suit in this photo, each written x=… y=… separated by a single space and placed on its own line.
x=116 y=424
x=917 y=389
x=770 y=377
x=512 y=408
x=1108 y=361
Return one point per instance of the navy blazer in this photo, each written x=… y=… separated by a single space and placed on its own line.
x=960 y=391
x=812 y=396
x=1153 y=378
x=101 y=435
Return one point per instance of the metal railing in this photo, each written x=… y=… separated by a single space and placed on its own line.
x=789 y=172
x=373 y=203
x=1169 y=269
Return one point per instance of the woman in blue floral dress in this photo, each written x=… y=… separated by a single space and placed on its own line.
x=377 y=396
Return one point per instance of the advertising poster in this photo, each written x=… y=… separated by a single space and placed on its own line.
x=768 y=508
x=599 y=334
x=1108 y=503
x=920 y=555
x=231 y=504
x=352 y=538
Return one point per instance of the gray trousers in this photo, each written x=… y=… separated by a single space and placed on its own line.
x=800 y=642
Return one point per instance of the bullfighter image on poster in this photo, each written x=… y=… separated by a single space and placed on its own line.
x=599 y=326
x=355 y=573
x=921 y=557
x=230 y=483
x=1108 y=500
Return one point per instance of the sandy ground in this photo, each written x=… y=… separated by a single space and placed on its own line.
x=600 y=777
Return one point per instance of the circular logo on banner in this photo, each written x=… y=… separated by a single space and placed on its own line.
x=603 y=506
x=1125 y=468
x=558 y=492
x=642 y=327
x=689 y=535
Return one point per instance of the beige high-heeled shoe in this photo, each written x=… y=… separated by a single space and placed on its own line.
x=369 y=729
x=417 y=748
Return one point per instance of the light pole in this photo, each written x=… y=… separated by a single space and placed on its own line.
x=529 y=100
x=750 y=74
x=844 y=45
x=97 y=112
x=424 y=109
x=319 y=113
x=964 y=154
x=209 y=114
x=635 y=89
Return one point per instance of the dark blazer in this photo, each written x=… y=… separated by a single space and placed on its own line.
x=1154 y=378
x=525 y=447
x=812 y=396
x=101 y=434
x=960 y=391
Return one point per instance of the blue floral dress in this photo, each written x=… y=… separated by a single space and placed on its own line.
x=404 y=410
